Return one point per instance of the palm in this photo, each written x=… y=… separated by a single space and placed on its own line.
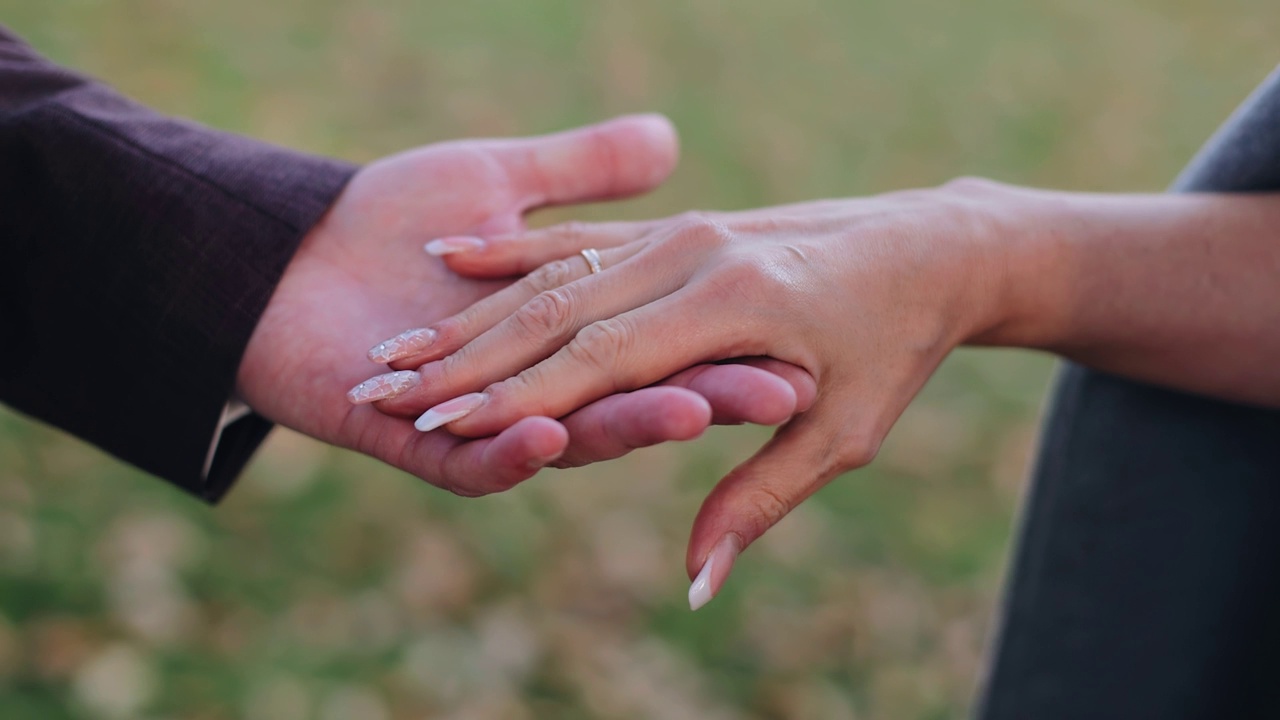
x=362 y=275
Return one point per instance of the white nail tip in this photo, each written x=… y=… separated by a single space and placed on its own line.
x=447 y=412
x=451 y=245
x=402 y=345
x=700 y=590
x=723 y=554
x=383 y=387
x=437 y=248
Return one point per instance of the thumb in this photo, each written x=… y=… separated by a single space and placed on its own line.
x=801 y=458
x=614 y=159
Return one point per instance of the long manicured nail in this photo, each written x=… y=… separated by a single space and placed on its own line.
x=447 y=412
x=384 y=386
x=454 y=244
x=403 y=345
x=714 y=572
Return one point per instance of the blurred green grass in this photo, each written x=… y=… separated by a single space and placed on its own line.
x=327 y=586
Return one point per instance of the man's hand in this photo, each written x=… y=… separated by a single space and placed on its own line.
x=361 y=275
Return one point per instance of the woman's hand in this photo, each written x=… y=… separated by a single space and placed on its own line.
x=359 y=276
x=867 y=296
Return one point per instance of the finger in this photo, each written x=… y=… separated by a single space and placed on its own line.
x=466 y=467
x=618 y=424
x=804 y=385
x=549 y=321
x=508 y=255
x=681 y=408
x=413 y=348
x=802 y=457
x=618 y=158
x=740 y=393
x=623 y=352
x=481 y=467
x=517 y=254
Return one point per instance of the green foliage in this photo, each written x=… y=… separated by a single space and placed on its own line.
x=328 y=586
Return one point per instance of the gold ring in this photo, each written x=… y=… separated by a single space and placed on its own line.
x=592 y=256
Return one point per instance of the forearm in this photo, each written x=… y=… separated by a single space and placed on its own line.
x=153 y=242
x=1181 y=290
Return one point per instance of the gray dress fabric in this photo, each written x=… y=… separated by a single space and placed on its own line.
x=1146 y=581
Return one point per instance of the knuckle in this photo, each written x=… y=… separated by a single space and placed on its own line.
x=690 y=218
x=749 y=277
x=552 y=275
x=549 y=313
x=573 y=232
x=700 y=233
x=858 y=450
x=509 y=392
x=454 y=370
x=519 y=396
x=455 y=330
x=602 y=343
x=749 y=269
x=969 y=185
x=766 y=506
x=501 y=393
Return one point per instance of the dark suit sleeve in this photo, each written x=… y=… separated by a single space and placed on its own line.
x=137 y=253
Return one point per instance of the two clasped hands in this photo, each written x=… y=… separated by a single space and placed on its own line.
x=520 y=351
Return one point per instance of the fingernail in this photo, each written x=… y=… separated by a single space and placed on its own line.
x=539 y=463
x=383 y=387
x=714 y=572
x=455 y=244
x=447 y=412
x=402 y=345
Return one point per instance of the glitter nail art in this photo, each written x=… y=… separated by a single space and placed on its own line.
x=402 y=345
x=384 y=386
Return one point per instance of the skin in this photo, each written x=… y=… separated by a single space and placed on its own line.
x=868 y=296
x=361 y=274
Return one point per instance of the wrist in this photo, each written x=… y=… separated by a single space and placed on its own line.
x=1021 y=251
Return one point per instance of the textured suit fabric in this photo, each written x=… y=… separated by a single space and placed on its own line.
x=137 y=253
x=1146 y=583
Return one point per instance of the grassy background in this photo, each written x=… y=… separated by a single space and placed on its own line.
x=329 y=587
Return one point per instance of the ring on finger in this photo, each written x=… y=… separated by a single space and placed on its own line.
x=592 y=256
